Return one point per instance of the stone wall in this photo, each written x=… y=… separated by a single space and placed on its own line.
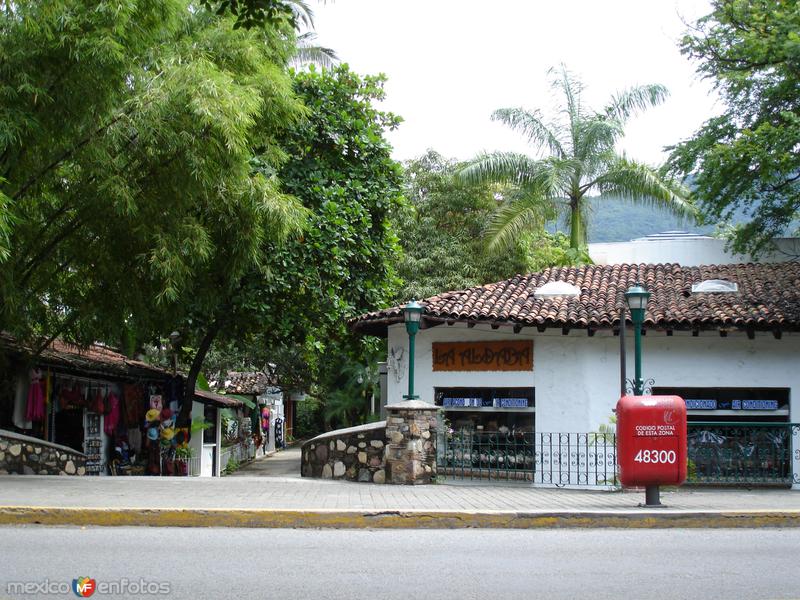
x=355 y=454
x=25 y=455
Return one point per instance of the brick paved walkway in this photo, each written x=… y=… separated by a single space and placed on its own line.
x=281 y=491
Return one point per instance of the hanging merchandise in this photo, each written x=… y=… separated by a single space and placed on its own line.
x=36 y=403
x=265 y=426
x=135 y=439
x=133 y=396
x=99 y=403
x=48 y=389
x=112 y=418
x=93 y=444
x=153 y=452
x=70 y=396
x=156 y=402
x=279 y=433
x=174 y=392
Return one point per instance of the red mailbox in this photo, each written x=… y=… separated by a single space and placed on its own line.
x=651 y=440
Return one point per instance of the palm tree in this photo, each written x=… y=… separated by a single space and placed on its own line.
x=577 y=160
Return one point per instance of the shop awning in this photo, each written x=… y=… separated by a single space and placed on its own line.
x=217 y=399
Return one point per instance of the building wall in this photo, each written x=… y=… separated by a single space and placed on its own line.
x=576 y=377
x=688 y=252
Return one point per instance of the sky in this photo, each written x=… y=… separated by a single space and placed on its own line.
x=451 y=63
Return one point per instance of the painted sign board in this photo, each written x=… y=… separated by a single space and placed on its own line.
x=651 y=440
x=499 y=355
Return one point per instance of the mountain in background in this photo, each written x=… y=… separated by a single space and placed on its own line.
x=617 y=220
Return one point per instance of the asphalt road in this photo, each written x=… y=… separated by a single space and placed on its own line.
x=438 y=564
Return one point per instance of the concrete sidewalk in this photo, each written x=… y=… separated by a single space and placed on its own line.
x=297 y=502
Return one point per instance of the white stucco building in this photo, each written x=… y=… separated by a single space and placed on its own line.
x=687 y=249
x=731 y=355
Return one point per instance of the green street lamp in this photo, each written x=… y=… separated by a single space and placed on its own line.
x=636 y=298
x=412 y=313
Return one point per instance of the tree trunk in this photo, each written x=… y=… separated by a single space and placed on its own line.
x=185 y=416
x=575 y=226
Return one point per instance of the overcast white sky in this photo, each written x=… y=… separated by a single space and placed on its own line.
x=450 y=63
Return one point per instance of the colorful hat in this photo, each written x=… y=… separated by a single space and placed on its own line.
x=167 y=434
x=152 y=433
x=166 y=414
x=152 y=415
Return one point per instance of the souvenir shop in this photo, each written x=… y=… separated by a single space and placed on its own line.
x=119 y=412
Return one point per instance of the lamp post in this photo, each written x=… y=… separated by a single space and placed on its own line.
x=636 y=298
x=412 y=313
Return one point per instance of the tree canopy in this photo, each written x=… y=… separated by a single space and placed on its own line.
x=577 y=158
x=442 y=233
x=747 y=157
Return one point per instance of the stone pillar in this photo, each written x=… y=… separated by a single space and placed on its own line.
x=411 y=442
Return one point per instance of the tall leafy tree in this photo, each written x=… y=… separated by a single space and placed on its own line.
x=747 y=157
x=442 y=232
x=339 y=166
x=577 y=158
x=138 y=151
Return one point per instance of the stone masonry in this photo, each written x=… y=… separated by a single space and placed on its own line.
x=411 y=435
x=355 y=454
x=25 y=455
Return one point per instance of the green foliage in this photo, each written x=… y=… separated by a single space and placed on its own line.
x=309 y=420
x=578 y=160
x=232 y=466
x=747 y=157
x=138 y=148
x=348 y=392
x=261 y=13
x=339 y=165
x=441 y=232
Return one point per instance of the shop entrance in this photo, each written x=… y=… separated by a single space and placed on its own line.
x=69 y=428
x=488 y=433
x=738 y=436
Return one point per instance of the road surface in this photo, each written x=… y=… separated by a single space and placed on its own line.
x=442 y=564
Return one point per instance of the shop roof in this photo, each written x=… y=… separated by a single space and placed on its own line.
x=768 y=299
x=248 y=383
x=216 y=399
x=96 y=359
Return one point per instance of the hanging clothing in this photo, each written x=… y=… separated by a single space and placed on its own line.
x=70 y=397
x=135 y=439
x=36 y=403
x=113 y=414
x=20 y=397
x=133 y=395
x=99 y=403
x=174 y=392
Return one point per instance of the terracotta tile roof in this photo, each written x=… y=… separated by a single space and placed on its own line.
x=96 y=358
x=216 y=399
x=248 y=383
x=768 y=299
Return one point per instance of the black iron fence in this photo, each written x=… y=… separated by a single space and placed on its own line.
x=742 y=453
x=561 y=459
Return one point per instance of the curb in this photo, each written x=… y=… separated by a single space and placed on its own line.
x=391 y=519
